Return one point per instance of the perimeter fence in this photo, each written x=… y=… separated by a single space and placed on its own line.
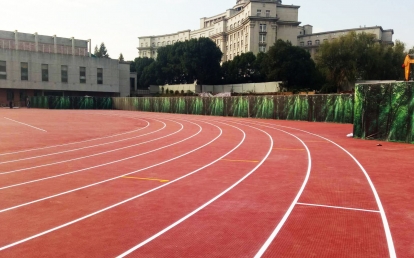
x=319 y=108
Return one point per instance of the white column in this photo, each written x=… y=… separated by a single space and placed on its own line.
x=73 y=46
x=16 y=39
x=36 y=42
x=55 y=44
x=90 y=47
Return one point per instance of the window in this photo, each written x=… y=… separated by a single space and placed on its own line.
x=82 y=74
x=309 y=42
x=45 y=73
x=158 y=44
x=142 y=44
x=317 y=42
x=262 y=48
x=262 y=28
x=100 y=75
x=3 y=73
x=153 y=44
x=262 y=38
x=267 y=13
x=302 y=44
x=10 y=95
x=64 y=73
x=259 y=12
x=24 y=69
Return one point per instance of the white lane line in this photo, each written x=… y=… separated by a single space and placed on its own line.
x=97 y=166
x=66 y=144
x=26 y=124
x=205 y=204
x=93 y=155
x=335 y=207
x=132 y=198
x=387 y=230
x=83 y=148
x=127 y=174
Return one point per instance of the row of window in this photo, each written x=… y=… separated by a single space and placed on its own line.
x=259 y=13
x=24 y=73
x=309 y=42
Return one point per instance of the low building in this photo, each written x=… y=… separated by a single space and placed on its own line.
x=32 y=64
x=312 y=41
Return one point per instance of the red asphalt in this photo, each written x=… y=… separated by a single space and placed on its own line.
x=102 y=183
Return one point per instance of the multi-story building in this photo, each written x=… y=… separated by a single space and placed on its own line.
x=32 y=64
x=250 y=26
x=312 y=41
x=254 y=26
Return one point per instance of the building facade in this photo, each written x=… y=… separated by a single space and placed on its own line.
x=250 y=26
x=32 y=64
x=254 y=26
x=312 y=41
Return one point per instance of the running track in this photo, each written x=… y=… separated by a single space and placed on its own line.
x=136 y=184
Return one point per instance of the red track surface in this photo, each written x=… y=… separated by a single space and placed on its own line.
x=81 y=183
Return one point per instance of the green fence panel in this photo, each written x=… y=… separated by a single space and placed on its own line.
x=385 y=111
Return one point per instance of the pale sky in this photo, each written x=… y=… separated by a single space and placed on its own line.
x=119 y=23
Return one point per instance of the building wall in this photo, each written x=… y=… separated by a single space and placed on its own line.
x=46 y=44
x=115 y=74
x=311 y=42
x=229 y=29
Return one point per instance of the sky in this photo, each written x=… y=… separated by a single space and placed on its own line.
x=119 y=23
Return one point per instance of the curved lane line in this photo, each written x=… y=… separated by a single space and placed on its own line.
x=40 y=129
x=87 y=147
x=60 y=145
x=135 y=197
x=93 y=155
x=387 y=230
x=88 y=168
x=204 y=205
x=113 y=178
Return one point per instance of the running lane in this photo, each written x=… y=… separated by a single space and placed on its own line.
x=138 y=219
x=62 y=126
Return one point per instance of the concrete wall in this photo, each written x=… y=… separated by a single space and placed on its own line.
x=115 y=75
x=265 y=87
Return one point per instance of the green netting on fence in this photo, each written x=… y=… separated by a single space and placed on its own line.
x=53 y=102
x=385 y=111
x=322 y=108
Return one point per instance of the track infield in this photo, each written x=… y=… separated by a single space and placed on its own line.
x=136 y=184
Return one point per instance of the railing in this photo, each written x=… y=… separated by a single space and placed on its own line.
x=43 y=48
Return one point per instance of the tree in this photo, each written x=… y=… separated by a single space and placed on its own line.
x=411 y=51
x=102 y=51
x=140 y=64
x=290 y=64
x=121 y=57
x=242 y=69
x=354 y=57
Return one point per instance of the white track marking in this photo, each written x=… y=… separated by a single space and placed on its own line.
x=127 y=174
x=135 y=197
x=96 y=154
x=97 y=166
x=26 y=124
x=387 y=230
x=87 y=147
x=205 y=204
x=335 y=207
x=60 y=145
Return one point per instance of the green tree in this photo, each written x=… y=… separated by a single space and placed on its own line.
x=101 y=51
x=290 y=64
x=121 y=57
x=140 y=64
x=242 y=69
x=354 y=57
